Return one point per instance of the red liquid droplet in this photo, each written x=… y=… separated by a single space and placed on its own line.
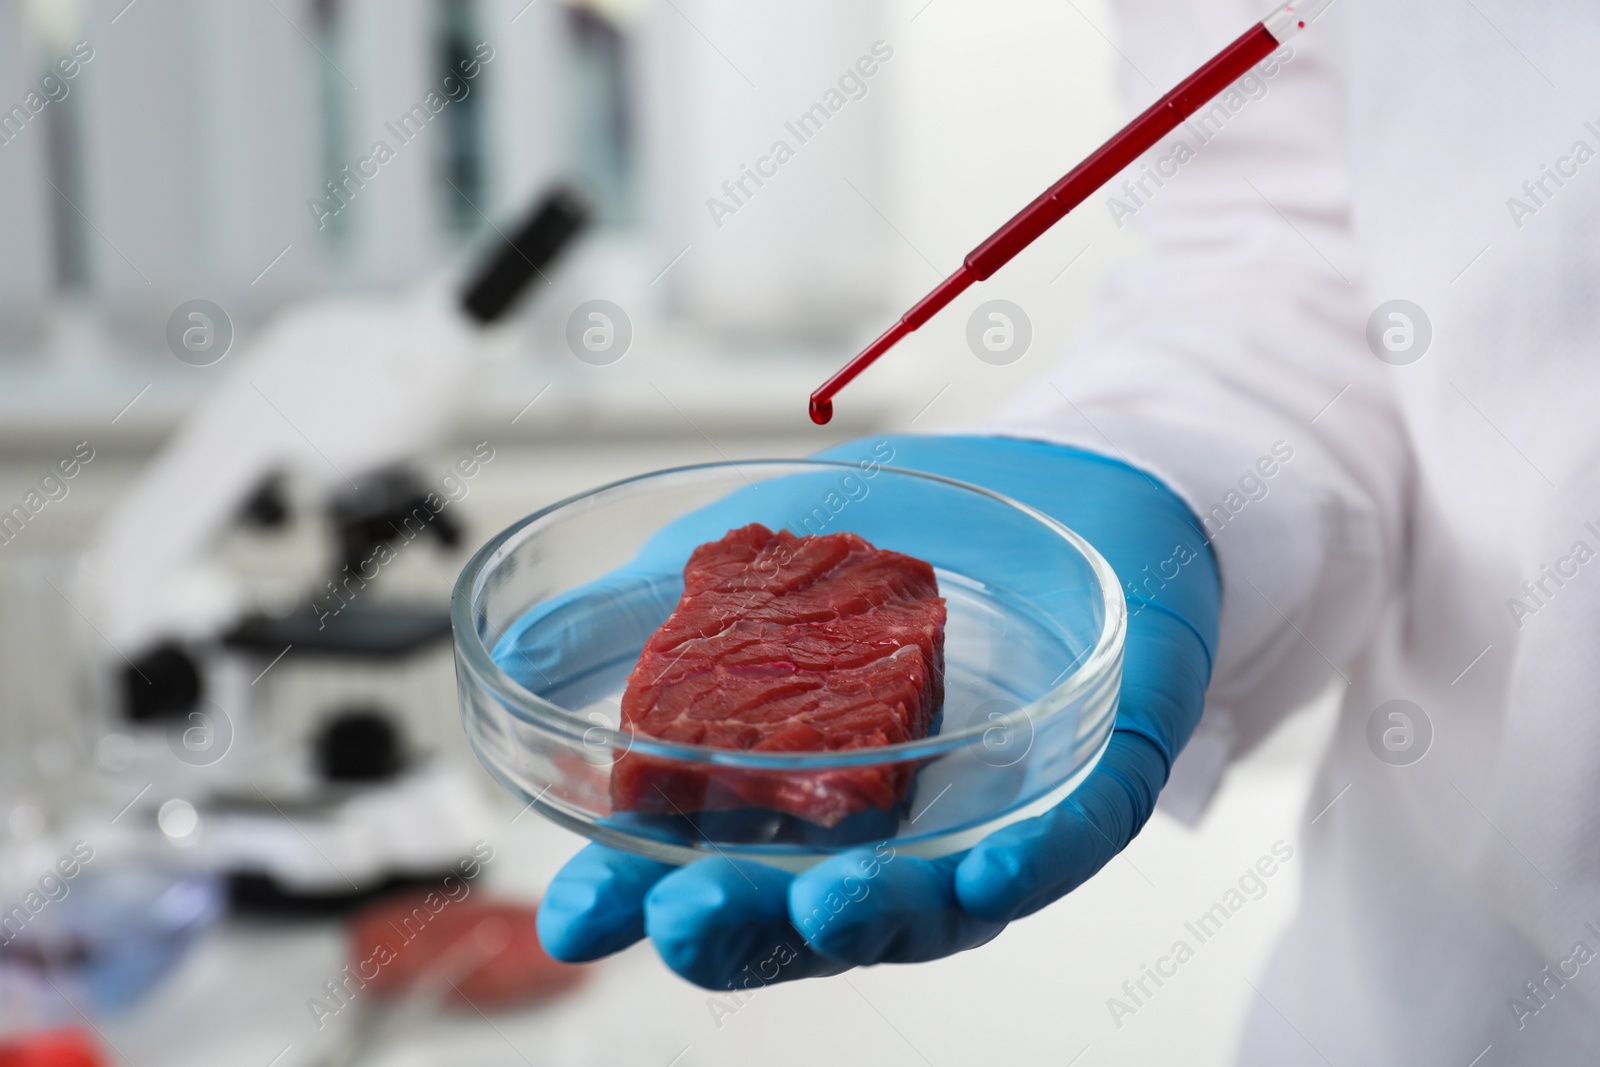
x=821 y=411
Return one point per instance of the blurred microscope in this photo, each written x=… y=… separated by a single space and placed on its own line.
x=288 y=693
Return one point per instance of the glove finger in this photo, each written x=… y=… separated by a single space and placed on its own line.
x=879 y=907
x=595 y=905
x=1019 y=869
x=724 y=924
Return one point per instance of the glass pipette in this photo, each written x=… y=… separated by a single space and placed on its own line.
x=1107 y=161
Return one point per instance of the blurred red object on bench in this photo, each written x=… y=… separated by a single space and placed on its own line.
x=475 y=953
x=68 y=1047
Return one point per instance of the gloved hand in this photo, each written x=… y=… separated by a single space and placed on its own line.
x=718 y=922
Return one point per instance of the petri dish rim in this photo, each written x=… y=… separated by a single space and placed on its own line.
x=536 y=711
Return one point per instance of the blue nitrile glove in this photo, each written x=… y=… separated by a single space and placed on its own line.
x=718 y=921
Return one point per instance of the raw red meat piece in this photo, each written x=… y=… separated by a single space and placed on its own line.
x=487 y=949
x=784 y=643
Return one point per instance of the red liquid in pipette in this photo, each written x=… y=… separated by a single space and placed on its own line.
x=1109 y=160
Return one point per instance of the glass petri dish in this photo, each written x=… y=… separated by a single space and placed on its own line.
x=550 y=617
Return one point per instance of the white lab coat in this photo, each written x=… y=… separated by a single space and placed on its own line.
x=1390 y=552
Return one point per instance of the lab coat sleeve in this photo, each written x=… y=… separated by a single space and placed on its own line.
x=1230 y=361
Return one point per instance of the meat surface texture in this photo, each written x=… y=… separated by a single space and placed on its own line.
x=786 y=644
